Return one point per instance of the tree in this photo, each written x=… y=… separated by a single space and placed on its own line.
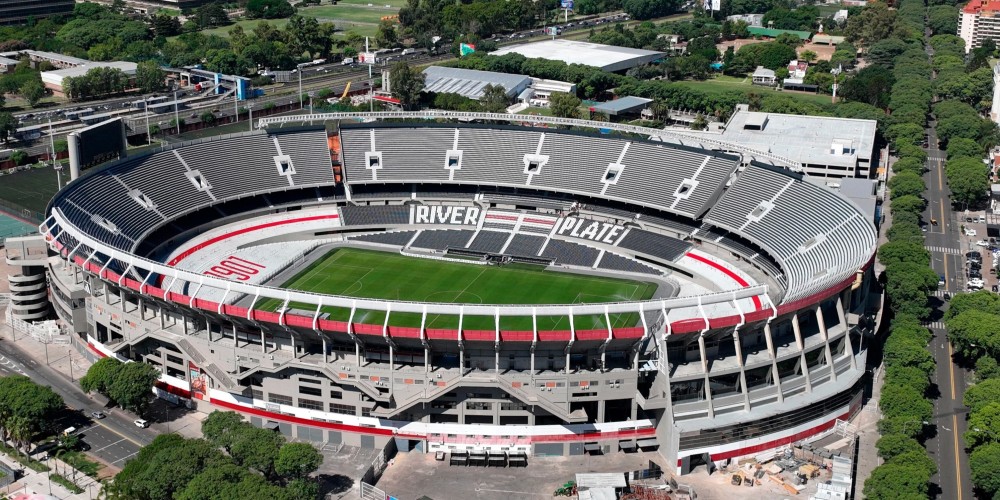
x=101 y=375
x=895 y=252
x=565 y=105
x=32 y=91
x=985 y=462
x=891 y=445
x=962 y=147
x=269 y=9
x=871 y=85
x=901 y=351
x=987 y=368
x=164 y=467
x=220 y=428
x=132 y=385
x=907 y=184
x=149 y=77
x=981 y=300
x=19 y=157
x=908 y=164
x=494 y=99
x=898 y=401
x=26 y=408
x=207 y=118
x=980 y=395
x=386 y=36
x=908 y=204
x=256 y=448
x=808 y=56
x=229 y=481
x=891 y=481
x=8 y=125
x=297 y=461
x=967 y=180
x=913 y=376
x=874 y=23
x=407 y=83
x=973 y=333
x=984 y=426
x=648 y=9
x=905 y=231
x=165 y=25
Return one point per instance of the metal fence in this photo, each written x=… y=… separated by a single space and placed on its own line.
x=46 y=332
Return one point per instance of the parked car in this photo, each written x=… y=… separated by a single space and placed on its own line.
x=970 y=232
x=140 y=423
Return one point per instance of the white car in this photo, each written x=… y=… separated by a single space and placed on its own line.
x=140 y=423
x=970 y=232
x=983 y=243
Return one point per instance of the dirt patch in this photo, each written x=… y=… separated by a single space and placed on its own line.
x=823 y=52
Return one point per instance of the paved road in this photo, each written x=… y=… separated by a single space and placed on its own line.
x=943 y=240
x=113 y=439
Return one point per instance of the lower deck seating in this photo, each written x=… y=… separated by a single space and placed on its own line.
x=399 y=238
x=489 y=241
x=525 y=245
x=615 y=262
x=375 y=214
x=441 y=239
x=654 y=245
x=571 y=254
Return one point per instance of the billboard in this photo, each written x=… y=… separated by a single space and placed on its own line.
x=96 y=144
x=366 y=58
x=566 y=4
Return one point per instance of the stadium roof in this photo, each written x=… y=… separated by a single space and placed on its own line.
x=862 y=192
x=622 y=105
x=773 y=33
x=470 y=83
x=806 y=139
x=606 y=57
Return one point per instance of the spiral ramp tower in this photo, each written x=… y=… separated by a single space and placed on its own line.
x=29 y=298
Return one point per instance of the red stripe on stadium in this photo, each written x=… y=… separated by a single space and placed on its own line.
x=222 y=237
x=735 y=277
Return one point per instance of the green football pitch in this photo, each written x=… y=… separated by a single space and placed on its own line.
x=384 y=275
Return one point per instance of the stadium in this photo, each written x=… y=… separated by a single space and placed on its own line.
x=474 y=283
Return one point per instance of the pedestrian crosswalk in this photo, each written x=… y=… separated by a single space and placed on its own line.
x=935 y=325
x=945 y=250
x=940 y=293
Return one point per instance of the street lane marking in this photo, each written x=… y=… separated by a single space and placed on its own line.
x=107 y=446
x=954 y=424
x=133 y=441
x=125 y=457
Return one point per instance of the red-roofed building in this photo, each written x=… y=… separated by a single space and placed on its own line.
x=979 y=21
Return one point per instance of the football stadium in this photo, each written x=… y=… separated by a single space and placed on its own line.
x=482 y=285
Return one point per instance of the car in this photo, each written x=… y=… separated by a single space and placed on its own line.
x=970 y=232
x=982 y=243
x=941 y=281
x=973 y=255
x=946 y=296
x=982 y=219
x=140 y=423
x=969 y=219
x=97 y=415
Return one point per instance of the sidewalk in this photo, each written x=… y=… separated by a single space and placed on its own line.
x=39 y=482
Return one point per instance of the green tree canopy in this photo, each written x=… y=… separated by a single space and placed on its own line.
x=980 y=395
x=982 y=300
x=101 y=375
x=907 y=184
x=297 y=461
x=908 y=204
x=984 y=426
x=985 y=462
x=903 y=251
x=407 y=84
x=973 y=333
x=967 y=179
x=891 y=445
x=565 y=105
x=962 y=147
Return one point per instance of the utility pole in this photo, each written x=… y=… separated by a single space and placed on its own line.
x=250 y=109
x=299 y=67
x=177 y=114
x=371 y=81
x=55 y=165
x=236 y=106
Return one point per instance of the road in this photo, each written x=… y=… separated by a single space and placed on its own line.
x=113 y=439
x=945 y=445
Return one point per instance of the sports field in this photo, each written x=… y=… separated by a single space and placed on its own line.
x=384 y=275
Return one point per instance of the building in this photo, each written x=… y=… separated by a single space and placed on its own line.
x=7 y=64
x=764 y=76
x=623 y=106
x=840 y=16
x=827 y=147
x=774 y=33
x=54 y=79
x=979 y=21
x=471 y=83
x=796 y=77
x=759 y=342
x=21 y=11
x=606 y=57
x=756 y=20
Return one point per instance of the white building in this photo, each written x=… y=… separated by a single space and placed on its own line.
x=751 y=19
x=995 y=108
x=827 y=147
x=54 y=79
x=979 y=21
x=606 y=57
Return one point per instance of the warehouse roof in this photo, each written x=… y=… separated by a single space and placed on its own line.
x=622 y=105
x=469 y=82
x=56 y=76
x=773 y=33
x=606 y=57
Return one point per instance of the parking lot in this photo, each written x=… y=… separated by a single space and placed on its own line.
x=980 y=253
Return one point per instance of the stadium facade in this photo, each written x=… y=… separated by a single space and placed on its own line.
x=756 y=338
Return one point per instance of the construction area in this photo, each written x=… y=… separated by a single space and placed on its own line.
x=802 y=471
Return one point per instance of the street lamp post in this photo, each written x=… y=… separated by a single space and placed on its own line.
x=149 y=137
x=299 y=68
x=250 y=109
x=177 y=114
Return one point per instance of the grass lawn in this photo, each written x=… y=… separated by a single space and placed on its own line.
x=536 y=111
x=723 y=83
x=361 y=29
x=31 y=189
x=80 y=462
x=395 y=4
x=355 y=13
x=384 y=275
x=247 y=24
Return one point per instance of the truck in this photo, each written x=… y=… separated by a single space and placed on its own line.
x=347 y=60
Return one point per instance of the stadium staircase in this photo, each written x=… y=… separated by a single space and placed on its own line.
x=578 y=416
